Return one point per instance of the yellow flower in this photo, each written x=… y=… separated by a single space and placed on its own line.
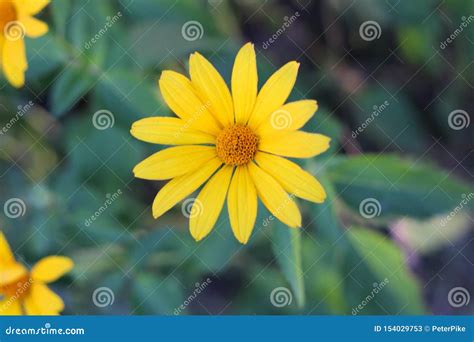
x=235 y=141
x=25 y=292
x=16 y=21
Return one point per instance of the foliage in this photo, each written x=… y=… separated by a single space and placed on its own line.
x=65 y=168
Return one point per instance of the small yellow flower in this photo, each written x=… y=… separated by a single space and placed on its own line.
x=235 y=141
x=16 y=21
x=24 y=292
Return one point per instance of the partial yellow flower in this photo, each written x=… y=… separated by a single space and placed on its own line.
x=16 y=21
x=234 y=141
x=23 y=291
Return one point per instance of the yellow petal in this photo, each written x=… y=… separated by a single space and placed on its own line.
x=242 y=204
x=180 y=95
x=14 y=61
x=174 y=161
x=31 y=6
x=292 y=177
x=168 y=131
x=51 y=268
x=42 y=301
x=208 y=204
x=10 y=307
x=30 y=306
x=6 y=255
x=180 y=187
x=294 y=144
x=33 y=308
x=33 y=27
x=274 y=197
x=274 y=93
x=244 y=83
x=211 y=87
x=291 y=116
x=11 y=273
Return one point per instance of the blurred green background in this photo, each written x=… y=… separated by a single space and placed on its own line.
x=395 y=235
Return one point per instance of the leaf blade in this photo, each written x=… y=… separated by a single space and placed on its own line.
x=402 y=188
x=287 y=251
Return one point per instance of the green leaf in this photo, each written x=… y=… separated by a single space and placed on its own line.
x=70 y=86
x=325 y=219
x=60 y=11
x=287 y=250
x=129 y=93
x=325 y=256
x=416 y=44
x=353 y=260
x=326 y=284
x=395 y=186
x=378 y=264
x=216 y=252
x=324 y=278
x=44 y=54
x=90 y=27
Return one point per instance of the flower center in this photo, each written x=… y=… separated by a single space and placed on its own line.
x=7 y=14
x=236 y=145
x=16 y=289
